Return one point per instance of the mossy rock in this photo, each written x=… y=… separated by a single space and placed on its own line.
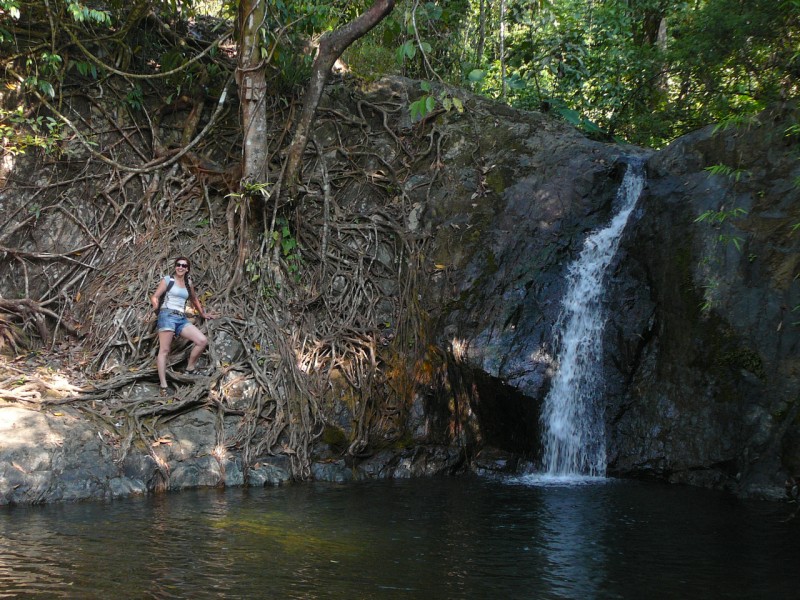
x=335 y=438
x=747 y=359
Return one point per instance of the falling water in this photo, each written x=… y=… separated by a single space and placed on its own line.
x=572 y=417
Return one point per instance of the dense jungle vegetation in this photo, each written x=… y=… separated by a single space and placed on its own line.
x=644 y=71
x=127 y=105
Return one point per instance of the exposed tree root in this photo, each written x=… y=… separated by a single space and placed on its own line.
x=323 y=302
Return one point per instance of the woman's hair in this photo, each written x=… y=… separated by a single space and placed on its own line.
x=186 y=260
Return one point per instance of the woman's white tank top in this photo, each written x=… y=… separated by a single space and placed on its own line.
x=176 y=297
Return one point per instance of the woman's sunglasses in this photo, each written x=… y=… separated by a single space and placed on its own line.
x=182 y=265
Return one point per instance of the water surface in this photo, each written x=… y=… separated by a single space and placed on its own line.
x=451 y=538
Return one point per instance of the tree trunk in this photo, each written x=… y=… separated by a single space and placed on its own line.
x=250 y=77
x=252 y=86
x=481 y=34
x=331 y=47
x=502 y=49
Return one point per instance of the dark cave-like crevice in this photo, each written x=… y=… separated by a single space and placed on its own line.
x=508 y=419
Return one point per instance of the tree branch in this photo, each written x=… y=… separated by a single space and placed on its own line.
x=330 y=49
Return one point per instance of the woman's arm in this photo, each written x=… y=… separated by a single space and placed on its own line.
x=162 y=287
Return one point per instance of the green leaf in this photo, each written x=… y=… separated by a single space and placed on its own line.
x=590 y=126
x=704 y=216
x=476 y=75
x=430 y=103
x=287 y=245
x=417 y=109
x=458 y=104
x=434 y=11
x=425 y=86
x=570 y=116
x=47 y=88
x=516 y=83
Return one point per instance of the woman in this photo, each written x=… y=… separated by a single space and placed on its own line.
x=172 y=319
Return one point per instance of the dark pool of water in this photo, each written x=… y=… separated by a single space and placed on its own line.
x=452 y=538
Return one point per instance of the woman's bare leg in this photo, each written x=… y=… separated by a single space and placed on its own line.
x=165 y=343
x=193 y=334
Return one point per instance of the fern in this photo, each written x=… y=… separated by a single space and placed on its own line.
x=725 y=170
x=721 y=215
x=734 y=121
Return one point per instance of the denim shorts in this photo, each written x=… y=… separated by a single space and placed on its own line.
x=171 y=320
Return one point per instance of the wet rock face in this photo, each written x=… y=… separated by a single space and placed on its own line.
x=505 y=230
x=713 y=386
x=701 y=345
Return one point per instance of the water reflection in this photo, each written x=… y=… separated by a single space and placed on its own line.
x=414 y=539
x=573 y=529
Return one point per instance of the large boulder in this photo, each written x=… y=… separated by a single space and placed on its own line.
x=704 y=368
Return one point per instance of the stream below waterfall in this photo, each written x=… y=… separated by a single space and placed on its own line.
x=427 y=538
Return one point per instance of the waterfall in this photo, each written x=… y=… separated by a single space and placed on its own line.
x=573 y=413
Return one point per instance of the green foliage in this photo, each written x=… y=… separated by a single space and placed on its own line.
x=476 y=75
x=717 y=218
x=135 y=98
x=709 y=295
x=721 y=215
x=587 y=62
x=407 y=50
x=286 y=47
x=428 y=102
x=290 y=251
x=253 y=189
x=19 y=132
x=84 y=67
x=49 y=63
x=9 y=8
x=573 y=117
x=281 y=237
x=736 y=240
x=793 y=131
x=726 y=171
x=734 y=122
x=733 y=57
x=422 y=39
x=425 y=36
x=370 y=60
x=645 y=71
x=84 y=14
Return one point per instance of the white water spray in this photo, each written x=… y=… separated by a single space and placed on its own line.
x=572 y=416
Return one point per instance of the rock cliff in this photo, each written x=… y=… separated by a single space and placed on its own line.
x=701 y=345
x=700 y=366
